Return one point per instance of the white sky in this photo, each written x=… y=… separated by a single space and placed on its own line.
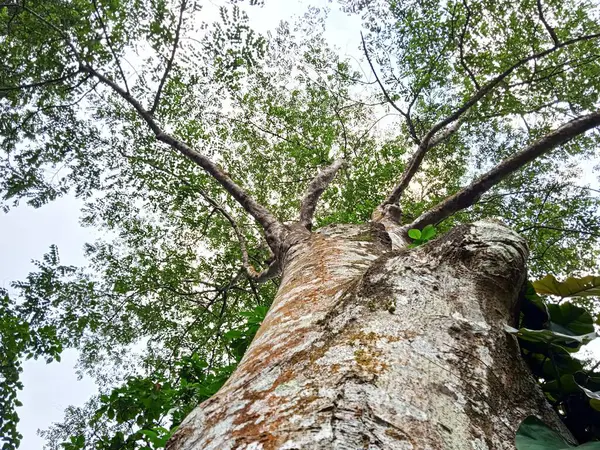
x=27 y=233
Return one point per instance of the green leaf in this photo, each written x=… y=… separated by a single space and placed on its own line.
x=551 y=337
x=533 y=434
x=413 y=233
x=572 y=287
x=570 y=319
x=428 y=233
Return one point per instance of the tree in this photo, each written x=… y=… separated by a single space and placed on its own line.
x=177 y=132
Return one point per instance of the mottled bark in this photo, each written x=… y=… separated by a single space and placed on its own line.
x=369 y=348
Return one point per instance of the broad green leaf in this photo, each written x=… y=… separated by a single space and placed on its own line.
x=413 y=233
x=533 y=434
x=572 y=287
x=428 y=233
x=570 y=319
x=551 y=337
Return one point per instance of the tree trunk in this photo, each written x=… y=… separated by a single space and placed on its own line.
x=368 y=348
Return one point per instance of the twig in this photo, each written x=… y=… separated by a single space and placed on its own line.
x=169 y=66
x=409 y=122
x=109 y=43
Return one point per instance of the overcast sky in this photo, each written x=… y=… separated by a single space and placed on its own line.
x=27 y=233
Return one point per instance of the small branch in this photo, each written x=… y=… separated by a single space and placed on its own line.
x=409 y=122
x=417 y=158
x=563 y=230
x=314 y=190
x=461 y=44
x=467 y=196
x=171 y=59
x=549 y=29
x=39 y=83
x=109 y=43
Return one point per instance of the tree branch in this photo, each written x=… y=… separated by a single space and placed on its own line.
x=424 y=146
x=563 y=230
x=461 y=44
x=314 y=190
x=467 y=196
x=549 y=29
x=169 y=66
x=109 y=43
x=274 y=230
x=39 y=83
x=406 y=115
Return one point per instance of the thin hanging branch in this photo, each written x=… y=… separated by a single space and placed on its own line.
x=169 y=66
x=273 y=269
x=470 y=194
x=406 y=115
x=314 y=190
x=417 y=157
x=109 y=43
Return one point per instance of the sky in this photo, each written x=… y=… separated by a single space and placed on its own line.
x=27 y=233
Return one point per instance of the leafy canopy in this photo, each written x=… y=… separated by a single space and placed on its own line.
x=164 y=301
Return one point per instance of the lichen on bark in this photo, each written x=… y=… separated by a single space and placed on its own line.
x=369 y=347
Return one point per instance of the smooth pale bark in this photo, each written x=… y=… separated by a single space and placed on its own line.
x=369 y=348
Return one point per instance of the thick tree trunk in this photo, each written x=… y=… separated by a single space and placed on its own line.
x=366 y=348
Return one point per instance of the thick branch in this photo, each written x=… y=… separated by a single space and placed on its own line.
x=273 y=228
x=171 y=59
x=424 y=146
x=470 y=194
x=314 y=190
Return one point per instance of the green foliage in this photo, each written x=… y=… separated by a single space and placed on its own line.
x=549 y=335
x=533 y=434
x=420 y=237
x=18 y=341
x=148 y=409
x=272 y=110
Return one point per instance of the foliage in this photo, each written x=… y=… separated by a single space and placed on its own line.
x=148 y=409
x=533 y=434
x=19 y=341
x=422 y=236
x=549 y=335
x=164 y=282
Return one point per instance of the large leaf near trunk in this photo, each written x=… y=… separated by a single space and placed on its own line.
x=572 y=287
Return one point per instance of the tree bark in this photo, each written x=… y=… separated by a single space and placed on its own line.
x=369 y=348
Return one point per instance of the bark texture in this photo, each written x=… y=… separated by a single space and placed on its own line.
x=369 y=348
